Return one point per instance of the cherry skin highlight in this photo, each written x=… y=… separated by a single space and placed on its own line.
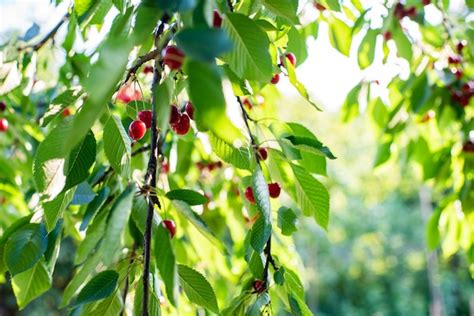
x=291 y=58
x=3 y=125
x=275 y=78
x=137 y=130
x=173 y=57
x=145 y=117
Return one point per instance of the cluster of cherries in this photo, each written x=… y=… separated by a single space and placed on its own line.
x=208 y=166
x=463 y=95
x=137 y=128
x=401 y=12
x=180 y=122
x=3 y=121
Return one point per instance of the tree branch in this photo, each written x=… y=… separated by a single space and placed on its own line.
x=140 y=61
x=230 y=5
x=48 y=36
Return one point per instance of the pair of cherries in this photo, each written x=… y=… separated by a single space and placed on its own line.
x=273 y=188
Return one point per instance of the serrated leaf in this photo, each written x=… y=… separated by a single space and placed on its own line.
x=238 y=157
x=117 y=146
x=298 y=85
x=366 y=52
x=203 y=43
x=53 y=209
x=287 y=221
x=340 y=36
x=257 y=308
x=6 y=234
x=100 y=286
x=249 y=57
x=284 y=8
x=111 y=306
x=262 y=229
x=350 y=108
x=404 y=46
x=312 y=196
x=175 y=5
x=63 y=100
x=94 y=234
x=165 y=262
x=31 y=283
x=134 y=107
x=197 y=288
x=310 y=144
x=189 y=196
x=25 y=247
x=83 y=194
x=93 y=207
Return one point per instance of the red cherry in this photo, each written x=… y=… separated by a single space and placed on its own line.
x=258 y=286
x=3 y=106
x=183 y=126
x=216 y=19
x=275 y=78
x=319 y=6
x=170 y=226
x=175 y=115
x=247 y=103
x=145 y=117
x=387 y=35
x=219 y=164
x=274 y=189
x=291 y=58
x=173 y=57
x=426 y=2
x=460 y=46
x=3 y=125
x=464 y=100
x=147 y=70
x=468 y=147
x=399 y=11
x=127 y=94
x=454 y=60
x=165 y=167
x=411 y=11
x=457 y=73
x=468 y=88
x=249 y=195
x=262 y=153
x=137 y=130
x=66 y=112
x=189 y=109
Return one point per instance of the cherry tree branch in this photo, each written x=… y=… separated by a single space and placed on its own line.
x=48 y=36
x=140 y=61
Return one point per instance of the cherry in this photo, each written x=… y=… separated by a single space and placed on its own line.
x=399 y=11
x=3 y=106
x=137 y=130
x=249 y=195
x=145 y=117
x=387 y=35
x=147 y=70
x=189 y=109
x=468 y=147
x=411 y=12
x=247 y=103
x=173 y=57
x=3 y=125
x=274 y=189
x=275 y=78
x=457 y=73
x=182 y=127
x=66 y=112
x=454 y=60
x=468 y=88
x=165 y=167
x=291 y=58
x=460 y=45
x=216 y=19
x=319 y=6
x=426 y=2
x=259 y=286
x=263 y=153
x=127 y=94
x=170 y=226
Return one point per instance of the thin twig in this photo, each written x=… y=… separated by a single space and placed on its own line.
x=230 y=5
x=140 y=61
x=48 y=36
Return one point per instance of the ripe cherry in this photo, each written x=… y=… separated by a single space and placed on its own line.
x=468 y=147
x=66 y=112
x=216 y=19
x=145 y=117
x=263 y=153
x=454 y=60
x=3 y=106
x=258 y=286
x=173 y=57
x=426 y=2
x=183 y=125
x=147 y=70
x=275 y=78
x=468 y=88
x=249 y=195
x=460 y=46
x=189 y=109
x=291 y=58
x=127 y=94
x=387 y=35
x=175 y=115
x=319 y=7
x=399 y=11
x=170 y=226
x=274 y=189
x=411 y=12
x=457 y=73
x=247 y=103
x=165 y=167
x=137 y=130
x=3 y=125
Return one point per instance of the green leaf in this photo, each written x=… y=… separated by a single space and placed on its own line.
x=257 y=308
x=287 y=220
x=262 y=229
x=331 y=4
x=298 y=306
x=279 y=276
x=297 y=45
x=350 y=108
x=81 y=158
x=298 y=85
x=134 y=107
x=383 y=152
x=83 y=194
x=340 y=36
x=165 y=262
x=312 y=196
x=31 y=283
x=238 y=157
x=53 y=209
x=311 y=144
x=100 y=286
x=189 y=196
x=203 y=43
x=111 y=306
x=82 y=6
x=94 y=234
x=366 y=53
x=403 y=43
x=25 y=247
x=432 y=230
x=284 y=8
x=63 y=100
x=249 y=57
x=117 y=146
x=197 y=288
x=163 y=93
x=153 y=306
x=293 y=284
x=93 y=207
x=175 y=5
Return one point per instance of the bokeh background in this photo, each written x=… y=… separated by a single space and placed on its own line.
x=374 y=259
